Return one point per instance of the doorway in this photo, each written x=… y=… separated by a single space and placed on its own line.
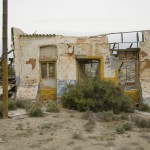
x=48 y=81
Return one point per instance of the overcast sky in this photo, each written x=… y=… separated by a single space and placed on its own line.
x=77 y=17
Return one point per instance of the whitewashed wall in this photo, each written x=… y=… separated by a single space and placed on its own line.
x=145 y=68
x=27 y=54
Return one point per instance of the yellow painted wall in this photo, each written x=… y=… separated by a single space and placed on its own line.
x=114 y=79
x=134 y=95
x=47 y=94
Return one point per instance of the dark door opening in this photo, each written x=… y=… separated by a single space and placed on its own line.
x=88 y=68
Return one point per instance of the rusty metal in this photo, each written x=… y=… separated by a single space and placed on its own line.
x=121 y=37
x=131 y=45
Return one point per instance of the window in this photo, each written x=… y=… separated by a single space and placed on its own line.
x=88 y=68
x=48 y=70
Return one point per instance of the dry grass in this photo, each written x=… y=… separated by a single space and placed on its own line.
x=89 y=126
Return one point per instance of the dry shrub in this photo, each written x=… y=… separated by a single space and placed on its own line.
x=143 y=123
x=127 y=126
x=21 y=103
x=120 y=130
x=77 y=136
x=11 y=105
x=35 y=110
x=52 y=106
x=107 y=116
x=87 y=115
x=124 y=117
x=144 y=107
x=140 y=121
x=1 y=110
x=89 y=126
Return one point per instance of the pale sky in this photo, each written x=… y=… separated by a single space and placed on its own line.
x=77 y=17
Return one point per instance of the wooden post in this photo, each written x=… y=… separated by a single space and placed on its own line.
x=4 y=61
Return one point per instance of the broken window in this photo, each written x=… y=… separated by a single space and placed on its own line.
x=128 y=71
x=48 y=70
x=88 y=68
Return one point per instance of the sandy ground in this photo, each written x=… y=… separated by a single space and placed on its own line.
x=56 y=131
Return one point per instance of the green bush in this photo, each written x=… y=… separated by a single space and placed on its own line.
x=97 y=95
x=11 y=105
x=35 y=110
x=52 y=106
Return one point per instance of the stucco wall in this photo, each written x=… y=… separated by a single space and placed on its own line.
x=27 y=57
x=145 y=68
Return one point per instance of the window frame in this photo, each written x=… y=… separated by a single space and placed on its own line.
x=47 y=69
x=126 y=85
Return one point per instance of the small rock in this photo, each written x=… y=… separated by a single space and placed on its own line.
x=1 y=140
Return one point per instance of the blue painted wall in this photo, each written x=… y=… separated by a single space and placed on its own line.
x=62 y=85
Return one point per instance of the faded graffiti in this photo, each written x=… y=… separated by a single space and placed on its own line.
x=107 y=61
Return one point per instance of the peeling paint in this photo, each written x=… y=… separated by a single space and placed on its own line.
x=145 y=68
x=31 y=61
x=80 y=40
x=145 y=65
x=62 y=85
x=143 y=54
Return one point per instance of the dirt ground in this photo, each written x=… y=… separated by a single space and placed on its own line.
x=65 y=131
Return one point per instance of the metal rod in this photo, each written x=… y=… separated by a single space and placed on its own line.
x=122 y=43
x=137 y=36
x=119 y=33
x=114 y=46
x=7 y=54
x=131 y=45
x=121 y=37
x=142 y=36
x=4 y=61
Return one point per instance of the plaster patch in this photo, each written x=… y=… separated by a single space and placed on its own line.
x=31 y=61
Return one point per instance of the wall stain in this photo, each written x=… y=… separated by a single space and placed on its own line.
x=31 y=61
x=145 y=66
x=143 y=54
x=80 y=40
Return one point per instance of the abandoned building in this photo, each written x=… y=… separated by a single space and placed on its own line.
x=45 y=63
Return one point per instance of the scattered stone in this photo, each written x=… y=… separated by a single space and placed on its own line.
x=1 y=140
